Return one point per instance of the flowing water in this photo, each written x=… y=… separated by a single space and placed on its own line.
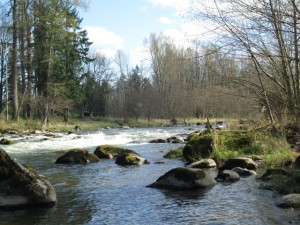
x=105 y=193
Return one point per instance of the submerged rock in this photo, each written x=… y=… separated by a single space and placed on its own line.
x=157 y=141
x=130 y=159
x=21 y=186
x=77 y=156
x=175 y=140
x=242 y=162
x=110 y=151
x=184 y=178
x=204 y=163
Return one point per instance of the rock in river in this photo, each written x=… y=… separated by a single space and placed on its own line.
x=130 y=159
x=77 y=156
x=184 y=178
x=242 y=162
x=21 y=186
x=110 y=151
x=204 y=163
x=290 y=200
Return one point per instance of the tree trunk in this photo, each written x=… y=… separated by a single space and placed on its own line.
x=14 y=63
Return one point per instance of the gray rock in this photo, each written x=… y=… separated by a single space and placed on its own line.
x=228 y=175
x=175 y=140
x=290 y=200
x=157 y=141
x=184 y=178
x=244 y=172
x=21 y=187
x=204 y=163
x=242 y=162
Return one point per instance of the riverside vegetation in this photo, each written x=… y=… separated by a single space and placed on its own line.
x=275 y=152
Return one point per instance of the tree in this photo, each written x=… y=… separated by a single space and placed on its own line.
x=266 y=32
x=14 y=7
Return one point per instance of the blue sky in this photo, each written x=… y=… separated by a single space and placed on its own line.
x=125 y=24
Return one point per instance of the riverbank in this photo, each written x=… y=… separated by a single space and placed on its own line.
x=96 y=123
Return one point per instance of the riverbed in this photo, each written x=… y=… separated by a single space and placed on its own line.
x=105 y=193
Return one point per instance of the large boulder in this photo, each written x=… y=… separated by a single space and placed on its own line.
x=204 y=163
x=77 y=156
x=198 y=147
x=130 y=159
x=110 y=151
x=242 y=162
x=184 y=178
x=21 y=187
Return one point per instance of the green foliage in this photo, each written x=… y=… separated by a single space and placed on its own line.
x=251 y=150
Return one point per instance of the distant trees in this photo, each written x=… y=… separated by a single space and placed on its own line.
x=266 y=33
x=47 y=67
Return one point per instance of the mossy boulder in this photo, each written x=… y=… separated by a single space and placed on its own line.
x=129 y=159
x=204 y=163
x=111 y=151
x=242 y=162
x=77 y=156
x=5 y=141
x=184 y=178
x=21 y=187
x=198 y=147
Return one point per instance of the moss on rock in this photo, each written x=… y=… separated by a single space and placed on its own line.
x=77 y=156
x=5 y=141
x=104 y=151
x=130 y=160
x=174 y=154
x=23 y=183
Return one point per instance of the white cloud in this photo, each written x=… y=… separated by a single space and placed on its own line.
x=181 y=6
x=104 y=40
x=165 y=20
x=139 y=54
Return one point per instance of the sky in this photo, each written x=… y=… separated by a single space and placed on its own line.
x=125 y=24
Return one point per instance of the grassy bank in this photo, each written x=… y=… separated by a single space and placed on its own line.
x=95 y=123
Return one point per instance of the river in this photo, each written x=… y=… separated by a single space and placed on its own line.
x=105 y=193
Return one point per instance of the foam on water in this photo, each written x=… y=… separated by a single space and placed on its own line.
x=60 y=141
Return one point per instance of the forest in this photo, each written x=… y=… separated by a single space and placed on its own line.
x=249 y=69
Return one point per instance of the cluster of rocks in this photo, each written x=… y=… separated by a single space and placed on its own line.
x=172 y=140
x=122 y=156
x=198 y=174
x=21 y=186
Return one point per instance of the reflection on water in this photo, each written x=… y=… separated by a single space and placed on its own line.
x=105 y=193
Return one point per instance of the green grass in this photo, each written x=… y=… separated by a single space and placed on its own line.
x=283 y=184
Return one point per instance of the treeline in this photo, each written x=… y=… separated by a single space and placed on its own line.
x=48 y=68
